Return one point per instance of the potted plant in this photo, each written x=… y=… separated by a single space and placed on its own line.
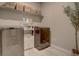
x=73 y=15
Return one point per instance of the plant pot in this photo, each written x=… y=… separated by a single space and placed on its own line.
x=75 y=51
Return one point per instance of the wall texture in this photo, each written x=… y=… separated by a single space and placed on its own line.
x=62 y=31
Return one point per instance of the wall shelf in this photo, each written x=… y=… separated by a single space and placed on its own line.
x=10 y=13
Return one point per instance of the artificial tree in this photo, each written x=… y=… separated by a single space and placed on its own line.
x=73 y=14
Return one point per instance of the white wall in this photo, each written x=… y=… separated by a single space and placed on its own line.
x=62 y=31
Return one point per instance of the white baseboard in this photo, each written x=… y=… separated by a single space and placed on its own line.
x=67 y=52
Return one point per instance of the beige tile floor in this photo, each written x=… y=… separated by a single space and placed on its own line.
x=31 y=51
x=47 y=52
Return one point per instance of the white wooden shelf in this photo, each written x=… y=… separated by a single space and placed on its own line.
x=19 y=14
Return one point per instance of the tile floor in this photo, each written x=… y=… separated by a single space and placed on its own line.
x=31 y=51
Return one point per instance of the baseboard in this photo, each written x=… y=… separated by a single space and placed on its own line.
x=67 y=52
